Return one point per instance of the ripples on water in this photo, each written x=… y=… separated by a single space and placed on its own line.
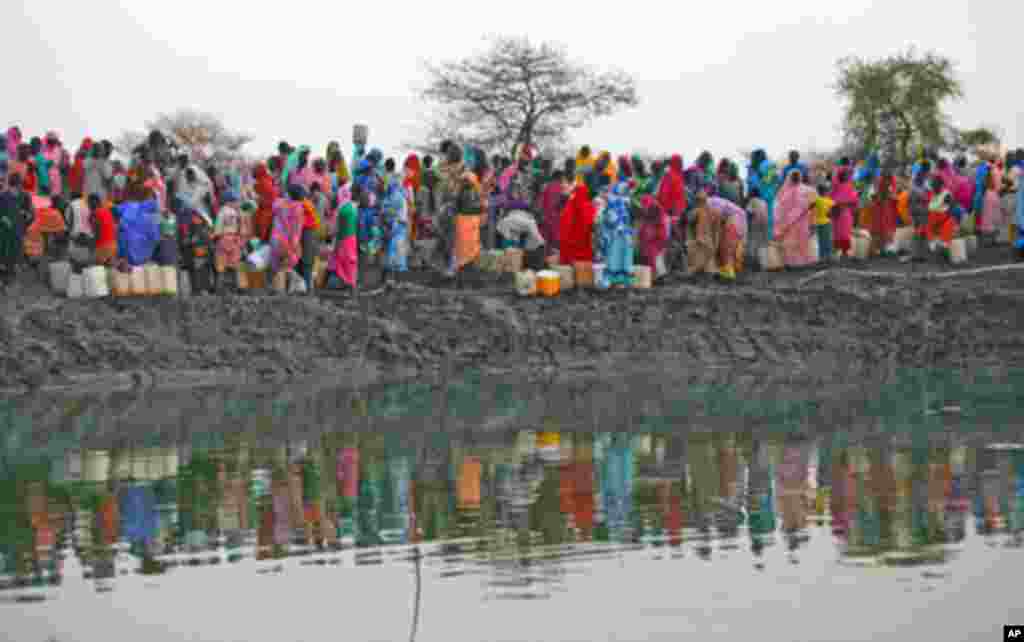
x=519 y=509
x=517 y=514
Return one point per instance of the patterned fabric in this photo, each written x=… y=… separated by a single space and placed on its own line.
x=615 y=236
x=286 y=237
x=792 y=226
x=344 y=260
x=396 y=221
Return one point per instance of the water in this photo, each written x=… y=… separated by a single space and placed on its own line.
x=320 y=515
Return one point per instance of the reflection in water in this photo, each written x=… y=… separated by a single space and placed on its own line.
x=518 y=510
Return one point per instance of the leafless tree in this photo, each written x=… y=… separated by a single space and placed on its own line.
x=201 y=135
x=519 y=92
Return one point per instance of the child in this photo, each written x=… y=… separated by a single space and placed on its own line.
x=940 y=223
x=757 y=228
x=823 y=207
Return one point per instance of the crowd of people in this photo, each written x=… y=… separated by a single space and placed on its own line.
x=319 y=218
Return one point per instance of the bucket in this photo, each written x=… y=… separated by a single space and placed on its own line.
x=153 y=280
x=566 y=277
x=513 y=261
x=76 y=286
x=95 y=282
x=643 y=277
x=280 y=281
x=548 y=283
x=360 y=134
x=59 y=273
x=490 y=259
x=526 y=283
x=904 y=238
x=137 y=281
x=861 y=247
x=958 y=251
x=120 y=283
x=972 y=245
x=600 y=278
x=169 y=280
x=813 y=249
x=770 y=258
x=584 y=274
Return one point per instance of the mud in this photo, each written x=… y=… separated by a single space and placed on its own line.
x=843 y=325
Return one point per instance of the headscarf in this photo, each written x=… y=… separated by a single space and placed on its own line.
x=672 y=192
x=625 y=168
x=844 y=194
x=13 y=142
x=757 y=159
x=768 y=173
x=344 y=176
x=77 y=174
x=616 y=214
x=611 y=170
x=792 y=194
x=292 y=163
x=413 y=172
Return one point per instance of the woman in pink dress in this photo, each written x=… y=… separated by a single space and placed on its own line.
x=844 y=194
x=793 y=220
x=991 y=219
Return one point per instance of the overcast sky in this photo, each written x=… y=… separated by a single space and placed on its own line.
x=722 y=76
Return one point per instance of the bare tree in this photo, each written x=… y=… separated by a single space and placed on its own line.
x=518 y=92
x=201 y=135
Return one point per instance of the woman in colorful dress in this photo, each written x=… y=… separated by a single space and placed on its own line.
x=343 y=264
x=653 y=234
x=884 y=214
x=793 y=220
x=227 y=233
x=395 y=220
x=734 y=232
x=845 y=197
x=286 y=235
x=615 y=234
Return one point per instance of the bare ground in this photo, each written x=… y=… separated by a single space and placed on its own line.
x=840 y=324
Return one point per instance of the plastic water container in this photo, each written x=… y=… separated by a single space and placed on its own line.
x=490 y=260
x=95 y=282
x=813 y=249
x=972 y=245
x=770 y=258
x=548 y=283
x=59 y=273
x=861 y=245
x=526 y=283
x=958 y=251
x=153 y=278
x=168 y=280
x=120 y=283
x=513 y=261
x=584 y=275
x=600 y=278
x=76 y=286
x=137 y=281
x=360 y=134
x=643 y=277
x=566 y=277
x=904 y=238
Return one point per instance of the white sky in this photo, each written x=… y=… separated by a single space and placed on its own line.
x=724 y=76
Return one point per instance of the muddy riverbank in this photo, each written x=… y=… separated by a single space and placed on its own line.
x=840 y=325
